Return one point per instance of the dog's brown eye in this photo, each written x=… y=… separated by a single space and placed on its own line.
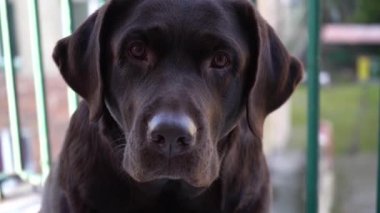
x=137 y=49
x=221 y=60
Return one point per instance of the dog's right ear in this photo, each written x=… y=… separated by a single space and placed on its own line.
x=79 y=61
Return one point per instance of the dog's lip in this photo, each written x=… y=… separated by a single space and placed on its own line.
x=191 y=183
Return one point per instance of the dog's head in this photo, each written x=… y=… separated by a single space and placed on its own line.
x=177 y=76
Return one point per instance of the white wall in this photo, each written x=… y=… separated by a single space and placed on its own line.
x=51 y=31
x=278 y=124
x=49 y=12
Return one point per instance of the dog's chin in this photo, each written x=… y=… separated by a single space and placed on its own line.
x=194 y=179
x=157 y=176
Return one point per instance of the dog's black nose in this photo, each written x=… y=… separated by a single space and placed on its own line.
x=171 y=134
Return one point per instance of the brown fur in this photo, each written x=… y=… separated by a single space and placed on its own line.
x=107 y=163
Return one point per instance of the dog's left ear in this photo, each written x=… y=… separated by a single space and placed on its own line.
x=274 y=72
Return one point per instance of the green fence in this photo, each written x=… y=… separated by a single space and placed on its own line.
x=38 y=75
x=313 y=107
x=10 y=85
x=43 y=132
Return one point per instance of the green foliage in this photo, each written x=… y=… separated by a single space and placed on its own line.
x=338 y=10
x=352 y=110
x=367 y=11
x=346 y=11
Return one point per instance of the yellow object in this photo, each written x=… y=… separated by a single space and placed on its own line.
x=363 y=68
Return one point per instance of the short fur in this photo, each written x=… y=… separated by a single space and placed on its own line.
x=107 y=165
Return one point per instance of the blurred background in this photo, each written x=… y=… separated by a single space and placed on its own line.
x=349 y=109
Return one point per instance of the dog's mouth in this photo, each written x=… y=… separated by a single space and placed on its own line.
x=197 y=168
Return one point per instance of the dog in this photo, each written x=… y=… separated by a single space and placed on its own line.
x=175 y=93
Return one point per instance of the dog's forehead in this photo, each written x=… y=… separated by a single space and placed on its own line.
x=210 y=14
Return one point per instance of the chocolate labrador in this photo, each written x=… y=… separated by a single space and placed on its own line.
x=175 y=93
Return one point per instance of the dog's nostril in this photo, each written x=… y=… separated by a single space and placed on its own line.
x=158 y=139
x=183 y=141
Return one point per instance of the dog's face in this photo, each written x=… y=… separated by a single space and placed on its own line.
x=176 y=77
x=175 y=85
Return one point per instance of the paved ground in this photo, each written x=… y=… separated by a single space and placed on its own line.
x=25 y=204
x=22 y=199
x=354 y=181
x=356 y=184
